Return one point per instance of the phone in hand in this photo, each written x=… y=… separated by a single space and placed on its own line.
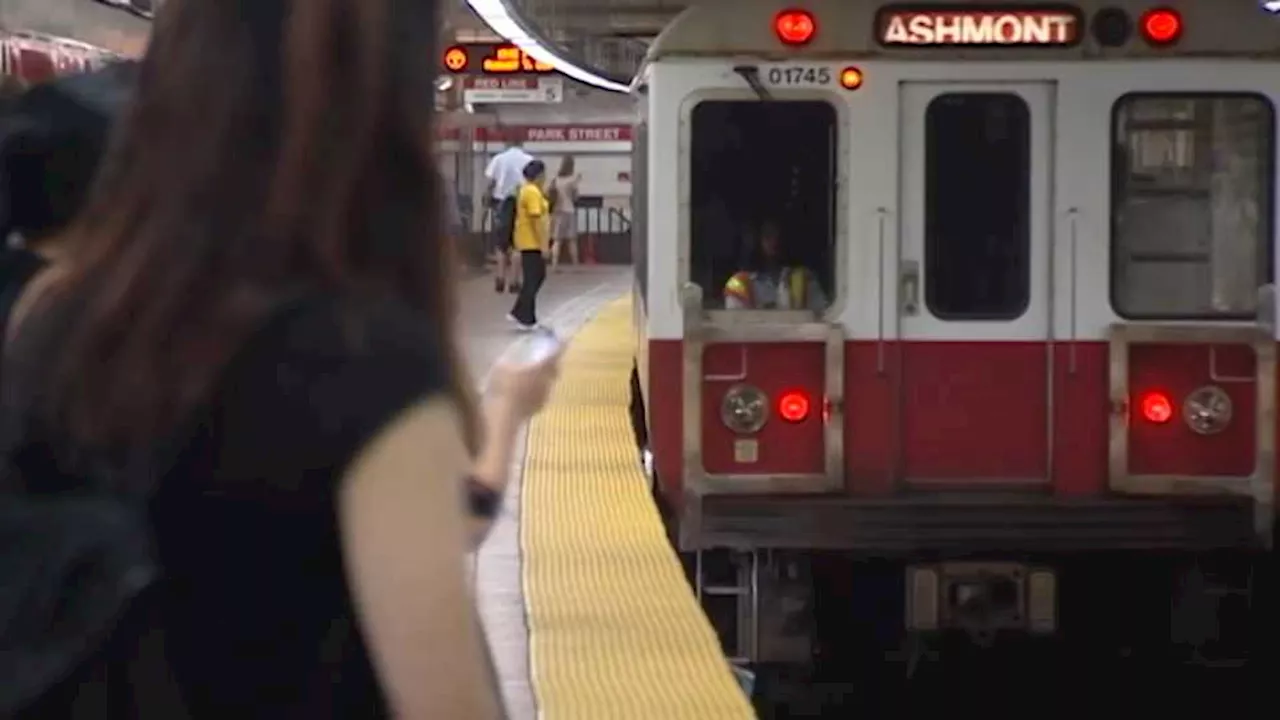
x=538 y=347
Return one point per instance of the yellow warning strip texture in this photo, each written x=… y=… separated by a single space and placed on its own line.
x=615 y=631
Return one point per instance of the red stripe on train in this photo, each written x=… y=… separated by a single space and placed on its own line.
x=970 y=410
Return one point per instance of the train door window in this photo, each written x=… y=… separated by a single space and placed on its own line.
x=1191 y=209
x=762 y=198
x=977 y=206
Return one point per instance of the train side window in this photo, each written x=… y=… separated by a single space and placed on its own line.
x=1191 y=207
x=757 y=164
x=977 y=206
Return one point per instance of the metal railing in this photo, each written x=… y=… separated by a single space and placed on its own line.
x=604 y=233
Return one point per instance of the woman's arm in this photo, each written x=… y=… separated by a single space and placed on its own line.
x=403 y=535
x=492 y=468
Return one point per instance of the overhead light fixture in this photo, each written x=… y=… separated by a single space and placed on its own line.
x=145 y=9
x=498 y=16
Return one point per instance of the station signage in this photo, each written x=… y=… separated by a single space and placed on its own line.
x=577 y=133
x=949 y=26
x=492 y=59
x=512 y=89
x=546 y=133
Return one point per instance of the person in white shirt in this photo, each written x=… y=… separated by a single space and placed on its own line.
x=563 y=195
x=505 y=173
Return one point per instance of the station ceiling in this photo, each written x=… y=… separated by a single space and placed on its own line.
x=606 y=35
x=609 y=35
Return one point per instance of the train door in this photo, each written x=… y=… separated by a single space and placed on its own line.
x=974 y=301
x=763 y=366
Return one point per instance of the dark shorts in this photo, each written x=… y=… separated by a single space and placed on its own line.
x=501 y=235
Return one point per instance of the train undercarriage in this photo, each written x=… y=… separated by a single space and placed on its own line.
x=889 y=588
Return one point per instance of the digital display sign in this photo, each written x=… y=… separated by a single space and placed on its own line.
x=492 y=59
x=987 y=26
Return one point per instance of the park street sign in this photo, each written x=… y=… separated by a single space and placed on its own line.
x=522 y=89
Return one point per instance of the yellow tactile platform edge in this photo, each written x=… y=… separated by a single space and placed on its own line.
x=615 y=632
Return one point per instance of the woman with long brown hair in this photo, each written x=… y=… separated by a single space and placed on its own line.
x=261 y=291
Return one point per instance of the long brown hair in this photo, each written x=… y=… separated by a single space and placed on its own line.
x=273 y=145
x=566 y=166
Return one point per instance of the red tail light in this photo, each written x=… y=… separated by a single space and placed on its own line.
x=795 y=27
x=1157 y=408
x=1162 y=26
x=793 y=406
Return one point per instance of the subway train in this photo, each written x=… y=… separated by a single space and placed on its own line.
x=1037 y=397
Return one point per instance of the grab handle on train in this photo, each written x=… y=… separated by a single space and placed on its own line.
x=1267 y=308
x=910 y=283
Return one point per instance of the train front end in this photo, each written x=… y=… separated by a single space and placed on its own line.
x=1026 y=383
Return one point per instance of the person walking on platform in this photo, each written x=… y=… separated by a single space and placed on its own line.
x=563 y=196
x=533 y=241
x=239 y=436
x=505 y=173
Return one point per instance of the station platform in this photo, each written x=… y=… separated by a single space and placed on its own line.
x=584 y=603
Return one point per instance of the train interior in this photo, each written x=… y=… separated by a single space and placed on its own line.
x=1191 y=218
x=752 y=163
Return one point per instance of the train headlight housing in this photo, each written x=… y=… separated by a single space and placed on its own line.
x=745 y=409
x=1207 y=410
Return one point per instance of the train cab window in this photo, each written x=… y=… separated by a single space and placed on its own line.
x=977 y=206
x=762 y=203
x=1191 y=210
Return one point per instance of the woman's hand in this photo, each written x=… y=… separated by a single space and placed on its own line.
x=523 y=389
x=516 y=392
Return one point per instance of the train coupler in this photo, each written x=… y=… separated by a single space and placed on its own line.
x=981 y=599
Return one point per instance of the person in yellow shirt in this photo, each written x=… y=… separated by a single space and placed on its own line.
x=532 y=239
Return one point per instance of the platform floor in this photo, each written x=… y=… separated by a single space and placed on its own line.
x=584 y=603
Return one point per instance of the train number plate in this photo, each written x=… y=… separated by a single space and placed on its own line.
x=797 y=76
x=746 y=451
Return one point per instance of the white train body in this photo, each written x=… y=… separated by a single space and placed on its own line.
x=1049 y=243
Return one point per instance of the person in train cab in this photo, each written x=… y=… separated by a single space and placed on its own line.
x=769 y=283
x=505 y=173
x=532 y=238
x=562 y=193
x=244 y=463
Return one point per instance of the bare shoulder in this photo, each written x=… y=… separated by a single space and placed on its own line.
x=429 y=429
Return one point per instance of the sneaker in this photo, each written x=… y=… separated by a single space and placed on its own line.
x=521 y=326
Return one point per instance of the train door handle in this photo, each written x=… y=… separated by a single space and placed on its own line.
x=909 y=284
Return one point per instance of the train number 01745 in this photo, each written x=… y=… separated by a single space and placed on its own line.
x=798 y=75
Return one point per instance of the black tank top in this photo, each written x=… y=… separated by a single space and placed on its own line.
x=261 y=622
